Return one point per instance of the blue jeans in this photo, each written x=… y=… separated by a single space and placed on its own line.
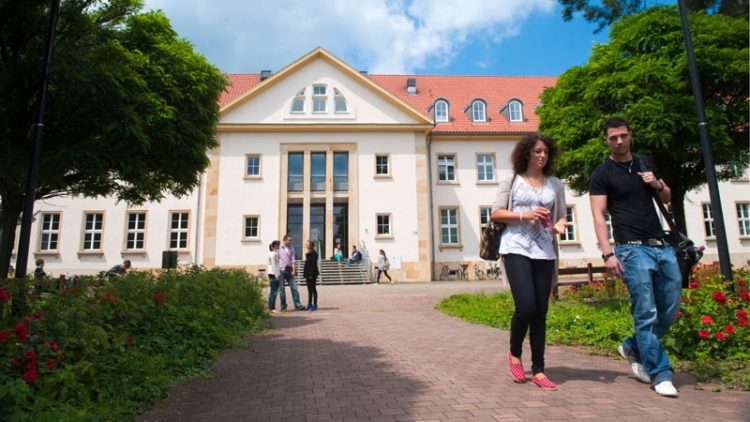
x=654 y=282
x=274 y=291
x=288 y=278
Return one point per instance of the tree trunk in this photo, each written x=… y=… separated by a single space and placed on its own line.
x=9 y=213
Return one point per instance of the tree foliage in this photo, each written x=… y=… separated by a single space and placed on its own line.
x=131 y=108
x=606 y=12
x=642 y=75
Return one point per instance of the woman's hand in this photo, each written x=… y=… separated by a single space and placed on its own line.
x=560 y=226
x=538 y=213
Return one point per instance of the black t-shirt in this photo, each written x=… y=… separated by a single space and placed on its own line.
x=629 y=200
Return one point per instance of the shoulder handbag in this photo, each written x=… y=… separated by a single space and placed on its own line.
x=489 y=240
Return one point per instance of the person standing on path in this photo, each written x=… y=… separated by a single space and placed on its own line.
x=273 y=277
x=535 y=215
x=310 y=273
x=288 y=270
x=623 y=185
x=382 y=268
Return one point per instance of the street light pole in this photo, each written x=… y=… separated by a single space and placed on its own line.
x=19 y=303
x=708 y=156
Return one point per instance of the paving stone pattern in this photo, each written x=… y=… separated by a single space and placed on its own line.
x=382 y=353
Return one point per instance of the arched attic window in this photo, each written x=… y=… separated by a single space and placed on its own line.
x=515 y=111
x=478 y=111
x=441 y=111
x=298 y=104
x=339 y=101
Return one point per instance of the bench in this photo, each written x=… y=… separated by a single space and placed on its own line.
x=589 y=270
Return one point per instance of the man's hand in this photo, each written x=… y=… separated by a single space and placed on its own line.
x=649 y=179
x=614 y=266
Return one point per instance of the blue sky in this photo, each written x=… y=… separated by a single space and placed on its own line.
x=467 y=37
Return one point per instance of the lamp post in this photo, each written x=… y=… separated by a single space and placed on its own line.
x=19 y=304
x=708 y=156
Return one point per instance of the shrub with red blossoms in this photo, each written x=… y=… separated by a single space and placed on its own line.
x=159 y=298
x=712 y=322
x=24 y=346
x=4 y=295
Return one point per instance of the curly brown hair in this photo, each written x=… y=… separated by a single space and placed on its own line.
x=519 y=158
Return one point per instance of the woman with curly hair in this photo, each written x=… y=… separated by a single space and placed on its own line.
x=532 y=206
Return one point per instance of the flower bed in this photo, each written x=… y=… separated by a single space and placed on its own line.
x=109 y=352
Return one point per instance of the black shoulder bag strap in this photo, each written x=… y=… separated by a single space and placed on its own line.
x=674 y=232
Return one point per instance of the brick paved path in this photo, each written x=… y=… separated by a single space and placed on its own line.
x=382 y=353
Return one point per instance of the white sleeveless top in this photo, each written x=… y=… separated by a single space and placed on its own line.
x=529 y=238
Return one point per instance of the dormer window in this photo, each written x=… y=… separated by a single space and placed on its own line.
x=515 y=111
x=478 y=111
x=339 y=102
x=441 y=111
x=298 y=104
x=319 y=99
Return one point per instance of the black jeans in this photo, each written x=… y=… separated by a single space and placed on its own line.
x=530 y=283
x=312 y=293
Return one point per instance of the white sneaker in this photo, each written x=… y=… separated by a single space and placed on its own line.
x=666 y=389
x=638 y=370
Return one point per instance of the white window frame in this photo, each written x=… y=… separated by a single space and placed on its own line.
x=138 y=233
x=298 y=99
x=571 y=232
x=708 y=221
x=91 y=234
x=339 y=99
x=388 y=166
x=485 y=165
x=478 y=111
x=515 y=111
x=53 y=234
x=743 y=218
x=247 y=166
x=245 y=227
x=441 y=115
x=183 y=233
x=383 y=220
x=447 y=165
x=318 y=99
x=453 y=227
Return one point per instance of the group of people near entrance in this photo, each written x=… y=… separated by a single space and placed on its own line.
x=532 y=206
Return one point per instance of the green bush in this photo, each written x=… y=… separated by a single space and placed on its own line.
x=108 y=352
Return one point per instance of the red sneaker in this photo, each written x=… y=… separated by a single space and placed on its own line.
x=544 y=383
x=516 y=370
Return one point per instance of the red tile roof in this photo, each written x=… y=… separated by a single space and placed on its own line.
x=458 y=91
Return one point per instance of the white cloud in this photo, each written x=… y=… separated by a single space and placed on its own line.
x=382 y=36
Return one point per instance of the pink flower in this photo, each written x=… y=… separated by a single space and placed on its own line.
x=719 y=336
x=719 y=297
x=703 y=334
x=707 y=319
x=729 y=328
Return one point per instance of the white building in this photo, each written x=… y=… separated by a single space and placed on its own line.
x=404 y=163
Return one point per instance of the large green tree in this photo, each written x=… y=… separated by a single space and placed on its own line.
x=131 y=108
x=642 y=75
x=605 y=12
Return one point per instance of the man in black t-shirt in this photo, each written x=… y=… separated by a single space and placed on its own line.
x=623 y=185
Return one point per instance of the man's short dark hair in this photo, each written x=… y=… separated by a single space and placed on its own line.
x=287 y=236
x=614 y=122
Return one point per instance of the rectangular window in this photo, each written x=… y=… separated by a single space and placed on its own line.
x=570 y=232
x=49 y=232
x=708 y=220
x=446 y=168
x=298 y=105
x=318 y=171
x=738 y=172
x=484 y=216
x=252 y=167
x=485 y=167
x=295 y=172
x=252 y=227
x=340 y=171
x=178 y=230
x=449 y=226
x=135 y=237
x=743 y=218
x=382 y=167
x=384 y=225
x=319 y=99
x=92 y=231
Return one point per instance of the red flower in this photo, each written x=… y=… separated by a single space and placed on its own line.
x=159 y=298
x=703 y=334
x=741 y=281
x=693 y=285
x=22 y=331
x=52 y=344
x=30 y=376
x=679 y=314
x=14 y=363
x=706 y=319
x=744 y=294
x=729 y=328
x=51 y=363
x=719 y=336
x=4 y=295
x=719 y=297
x=30 y=355
x=130 y=340
x=741 y=314
x=5 y=335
